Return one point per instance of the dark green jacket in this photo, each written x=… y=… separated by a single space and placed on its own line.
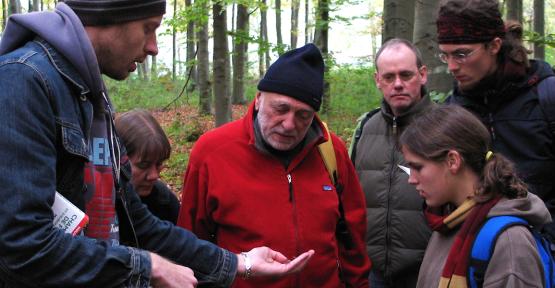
x=397 y=232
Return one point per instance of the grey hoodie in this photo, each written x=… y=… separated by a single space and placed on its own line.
x=514 y=262
x=64 y=31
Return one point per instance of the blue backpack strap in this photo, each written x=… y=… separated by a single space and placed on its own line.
x=483 y=246
x=544 y=250
x=546 y=96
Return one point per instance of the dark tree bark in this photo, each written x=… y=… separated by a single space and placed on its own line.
x=294 y=22
x=154 y=67
x=539 y=27
x=4 y=13
x=322 y=28
x=221 y=64
x=398 y=19
x=514 y=10
x=205 y=87
x=240 y=47
x=425 y=38
x=174 y=43
x=262 y=40
x=143 y=69
x=14 y=7
x=278 y=28
x=306 y=24
x=191 y=49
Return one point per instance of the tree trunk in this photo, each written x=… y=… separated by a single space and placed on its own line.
x=294 y=22
x=153 y=68
x=240 y=46
x=14 y=7
x=221 y=82
x=33 y=5
x=280 y=47
x=398 y=19
x=174 y=42
x=539 y=27
x=262 y=40
x=233 y=21
x=514 y=10
x=191 y=41
x=4 y=13
x=205 y=87
x=140 y=70
x=425 y=38
x=306 y=24
x=322 y=28
x=144 y=69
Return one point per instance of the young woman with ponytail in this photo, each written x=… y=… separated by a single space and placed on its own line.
x=464 y=183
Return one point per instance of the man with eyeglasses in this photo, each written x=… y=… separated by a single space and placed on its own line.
x=397 y=232
x=496 y=81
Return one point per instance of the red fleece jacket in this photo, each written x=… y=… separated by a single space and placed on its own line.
x=241 y=198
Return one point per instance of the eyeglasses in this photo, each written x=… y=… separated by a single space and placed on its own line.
x=459 y=57
x=405 y=76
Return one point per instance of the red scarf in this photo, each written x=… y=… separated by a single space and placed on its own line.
x=473 y=214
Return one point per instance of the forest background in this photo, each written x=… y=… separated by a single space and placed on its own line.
x=213 y=52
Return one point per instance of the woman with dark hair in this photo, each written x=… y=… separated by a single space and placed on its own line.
x=463 y=184
x=147 y=149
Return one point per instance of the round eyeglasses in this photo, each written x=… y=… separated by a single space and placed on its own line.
x=460 y=57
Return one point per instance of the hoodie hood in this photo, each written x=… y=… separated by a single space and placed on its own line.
x=63 y=30
x=530 y=208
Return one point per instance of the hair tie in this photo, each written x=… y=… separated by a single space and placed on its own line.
x=489 y=155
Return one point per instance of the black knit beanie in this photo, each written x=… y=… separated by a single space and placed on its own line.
x=298 y=73
x=107 y=12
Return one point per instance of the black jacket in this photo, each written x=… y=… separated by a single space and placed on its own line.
x=518 y=126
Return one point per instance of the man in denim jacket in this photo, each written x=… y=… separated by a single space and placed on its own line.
x=56 y=134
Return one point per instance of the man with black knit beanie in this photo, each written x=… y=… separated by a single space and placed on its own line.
x=513 y=96
x=57 y=141
x=261 y=180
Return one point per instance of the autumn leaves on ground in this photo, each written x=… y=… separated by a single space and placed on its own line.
x=183 y=126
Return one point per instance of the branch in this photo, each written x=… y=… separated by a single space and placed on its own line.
x=184 y=86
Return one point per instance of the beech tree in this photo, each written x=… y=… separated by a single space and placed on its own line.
x=398 y=19
x=425 y=38
x=220 y=64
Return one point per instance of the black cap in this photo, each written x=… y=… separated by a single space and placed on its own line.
x=298 y=73
x=107 y=12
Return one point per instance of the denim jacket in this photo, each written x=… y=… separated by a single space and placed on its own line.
x=46 y=116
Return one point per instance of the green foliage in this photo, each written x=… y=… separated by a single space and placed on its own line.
x=548 y=40
x=138 y=93
x=353 y=92
x=438 y=97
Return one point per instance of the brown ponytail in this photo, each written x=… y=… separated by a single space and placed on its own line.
x=499 y=178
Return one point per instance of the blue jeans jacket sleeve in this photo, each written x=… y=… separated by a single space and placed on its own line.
x=211 y=264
